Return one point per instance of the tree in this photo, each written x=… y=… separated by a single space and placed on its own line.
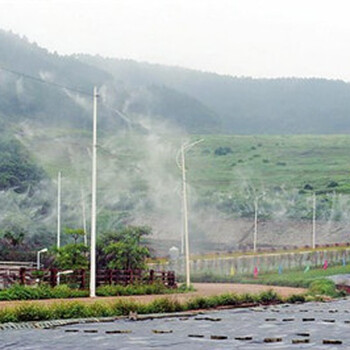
x=14 y=238
x=125 y=249
x=73 y=255
x=75 y=233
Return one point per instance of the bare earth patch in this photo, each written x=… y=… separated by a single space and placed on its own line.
x=202 y=289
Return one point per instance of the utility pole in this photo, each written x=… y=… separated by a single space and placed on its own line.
x=59 y=210
x=314 y=221
x=255 y=224
x=182 y=233
x=182 y=166
x=84 y=216
x=256 y=208
x=185 y=214
x=93 y=202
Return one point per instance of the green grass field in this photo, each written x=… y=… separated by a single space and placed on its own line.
x=290 y=161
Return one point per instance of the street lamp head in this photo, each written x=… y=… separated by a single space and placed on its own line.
x=43 y=250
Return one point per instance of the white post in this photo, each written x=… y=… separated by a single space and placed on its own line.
x=255 y=224
x=38 y=257
x=182 y=233
x=84 y=216
x=185 y=214
x=93 y=202
x=59 y=210
x=314 y=221
x=38 y=260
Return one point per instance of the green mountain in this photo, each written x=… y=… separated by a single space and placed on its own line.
x=246 y=105
x=197 y=102
x=21 y=97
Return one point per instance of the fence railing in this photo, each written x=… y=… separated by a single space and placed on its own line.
x=80 y=278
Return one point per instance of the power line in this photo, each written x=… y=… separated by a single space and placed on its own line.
x=42 y=81
x=65 y=87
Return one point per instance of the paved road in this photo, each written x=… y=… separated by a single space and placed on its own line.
x=202 y=289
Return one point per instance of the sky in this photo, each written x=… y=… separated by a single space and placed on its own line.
x=258 y=38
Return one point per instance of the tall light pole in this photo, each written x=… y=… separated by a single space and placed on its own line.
x=255 y=239
x=314 y=221
x=59 y=178
x=84 y=216
x=182 y=166
x=255 y=224
x=93 y=201
x=38 y=257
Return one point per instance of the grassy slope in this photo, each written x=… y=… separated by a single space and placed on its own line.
x=289 y=161
x=134 y=168
x=315 y=159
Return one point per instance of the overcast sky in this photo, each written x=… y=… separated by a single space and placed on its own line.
x=259 y=38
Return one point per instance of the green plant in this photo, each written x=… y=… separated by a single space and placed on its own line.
x=125 y=250
x=296 y=298
x=72 y=256
x=76 y=233
x=323 y=287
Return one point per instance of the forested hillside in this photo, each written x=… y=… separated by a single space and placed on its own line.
x=246 y=105
x=195 y=101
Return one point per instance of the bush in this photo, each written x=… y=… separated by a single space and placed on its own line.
x=333 y=184
x=118 y=290
x=296 y=298
x=19 y=292
x=31 y=312
x=323 y=287
x=223 y=151
x=268 y=297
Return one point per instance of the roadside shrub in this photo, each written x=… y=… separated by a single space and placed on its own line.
x=164 y=305
x=71 y=310
x=268 y=297
x=19 y=292
x=247 y=298
x=8 y=315
x=323 y=287
x=32 y=313
x=229 y=299
x=119 y=290
x=198 y=303
x=296 y=298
